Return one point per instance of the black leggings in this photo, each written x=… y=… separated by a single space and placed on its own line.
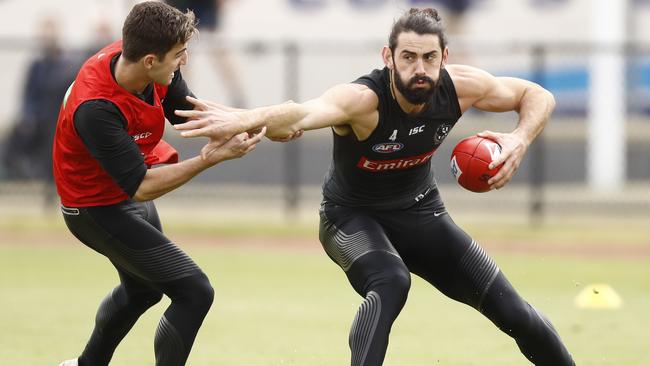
x=149 y=265
x=379 y=249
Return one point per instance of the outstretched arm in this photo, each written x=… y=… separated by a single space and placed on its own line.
x=534 y=104
x=344 y=104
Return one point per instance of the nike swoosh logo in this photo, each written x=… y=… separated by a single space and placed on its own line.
x=436 y=214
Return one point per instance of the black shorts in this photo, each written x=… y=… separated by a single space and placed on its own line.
x=129 y=234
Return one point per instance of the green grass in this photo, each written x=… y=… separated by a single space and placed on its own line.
x=553 y=231
x=281 y=307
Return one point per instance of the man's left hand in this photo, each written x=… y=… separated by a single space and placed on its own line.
x=513 y=148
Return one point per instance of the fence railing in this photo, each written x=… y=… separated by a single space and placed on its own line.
x=301 y=70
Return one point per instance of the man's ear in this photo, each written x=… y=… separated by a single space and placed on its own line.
x=148 y=61
x=445 y=57
x=387 y=56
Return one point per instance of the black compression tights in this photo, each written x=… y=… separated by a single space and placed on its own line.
x=149 y=265
x=384 y=281
x=191 y=298
x=379 y=250
x=533 y=332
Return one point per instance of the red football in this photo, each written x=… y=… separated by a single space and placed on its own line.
x=470 y=160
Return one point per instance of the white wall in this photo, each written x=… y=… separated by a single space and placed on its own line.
x=501 y=20
x=506 y=20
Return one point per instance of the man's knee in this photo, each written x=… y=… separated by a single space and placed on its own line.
x=398 y=281
x=204 y=292
x=383 y=273
x=196 y=291
x=393 y=287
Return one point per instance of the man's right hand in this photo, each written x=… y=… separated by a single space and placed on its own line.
x=237 y=146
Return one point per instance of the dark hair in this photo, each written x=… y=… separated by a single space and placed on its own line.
x=420 y=21
x=155 y=27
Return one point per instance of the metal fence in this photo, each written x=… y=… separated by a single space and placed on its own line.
x=552 y=179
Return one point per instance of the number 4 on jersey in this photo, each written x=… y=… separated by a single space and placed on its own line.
x=393 y=136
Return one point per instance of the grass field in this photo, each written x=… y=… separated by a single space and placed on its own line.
x=280 y=301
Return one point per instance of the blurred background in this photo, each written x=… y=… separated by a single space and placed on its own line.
x=571 y=230
x=593 y=55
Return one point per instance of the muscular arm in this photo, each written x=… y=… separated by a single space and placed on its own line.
x=534 y=104
x=343 y=105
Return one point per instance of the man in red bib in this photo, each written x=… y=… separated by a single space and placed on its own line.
x=108 y=137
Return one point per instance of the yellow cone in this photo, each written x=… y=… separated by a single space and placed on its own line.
x=598 y=296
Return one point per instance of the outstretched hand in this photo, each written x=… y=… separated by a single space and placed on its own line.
x=513 y=149
x=209 y=119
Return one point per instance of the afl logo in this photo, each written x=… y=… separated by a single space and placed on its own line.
x=388 y=147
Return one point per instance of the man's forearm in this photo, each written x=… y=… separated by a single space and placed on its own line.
x=159 y=181
x=280 y=120
x=536 y=108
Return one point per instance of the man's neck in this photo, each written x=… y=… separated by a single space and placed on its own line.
x=130 y=76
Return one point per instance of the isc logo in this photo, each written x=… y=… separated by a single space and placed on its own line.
x=143 y=135
x=416 y=130
x=388 y=147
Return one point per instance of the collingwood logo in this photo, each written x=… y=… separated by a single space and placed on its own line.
x=441 y=133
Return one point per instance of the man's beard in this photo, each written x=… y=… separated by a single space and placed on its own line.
x=415 y=95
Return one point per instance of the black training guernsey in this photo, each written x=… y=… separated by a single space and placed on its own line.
x=391 y=169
